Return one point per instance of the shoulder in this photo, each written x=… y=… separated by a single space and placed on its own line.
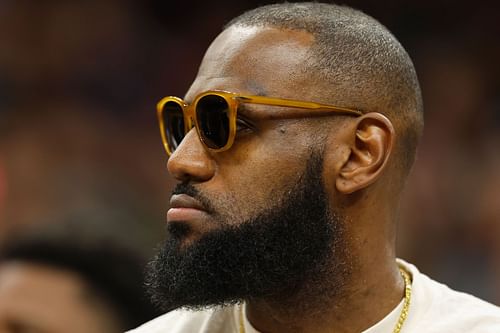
x=181 y=320
x=438 y=308
x=460 y=310
x=175 y=321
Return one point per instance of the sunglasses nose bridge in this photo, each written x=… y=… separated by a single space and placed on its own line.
x=188 y=117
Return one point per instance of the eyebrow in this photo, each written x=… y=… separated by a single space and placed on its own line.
x=255 y=88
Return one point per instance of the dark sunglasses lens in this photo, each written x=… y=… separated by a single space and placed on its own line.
x=212 y=113
x=173 y=120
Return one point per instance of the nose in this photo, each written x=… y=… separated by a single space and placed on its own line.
x=191 y=161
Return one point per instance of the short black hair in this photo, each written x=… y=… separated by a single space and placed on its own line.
x=361 y=64
x=113 y=272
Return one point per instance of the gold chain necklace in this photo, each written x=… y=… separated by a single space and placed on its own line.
x=402 y=316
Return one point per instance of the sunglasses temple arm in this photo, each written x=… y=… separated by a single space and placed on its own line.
x=297 y=104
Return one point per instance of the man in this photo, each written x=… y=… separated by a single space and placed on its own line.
x=284 y=219
x=58 y=281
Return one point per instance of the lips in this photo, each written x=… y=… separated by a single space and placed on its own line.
x=185 y=208
x=185 y=201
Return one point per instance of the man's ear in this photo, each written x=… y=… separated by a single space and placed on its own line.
x=370 y=150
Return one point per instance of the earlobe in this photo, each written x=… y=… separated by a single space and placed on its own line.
x=371 y=147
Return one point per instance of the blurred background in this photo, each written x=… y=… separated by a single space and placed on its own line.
x=79 y=80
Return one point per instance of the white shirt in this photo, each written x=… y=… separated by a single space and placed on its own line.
x=434 y=308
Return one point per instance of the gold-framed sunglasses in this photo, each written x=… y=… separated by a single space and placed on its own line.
x=214 y=114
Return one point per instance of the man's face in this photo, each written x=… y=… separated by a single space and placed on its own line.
x=41 y=299
x=258 y=205
x=266 y=159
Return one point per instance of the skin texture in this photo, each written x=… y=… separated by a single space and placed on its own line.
x=265 y=161
x=41 y=299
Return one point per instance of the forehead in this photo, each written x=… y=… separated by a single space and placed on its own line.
x=257 y=60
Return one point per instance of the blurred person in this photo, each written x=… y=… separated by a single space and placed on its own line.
x=54 y=281
x=285 y=215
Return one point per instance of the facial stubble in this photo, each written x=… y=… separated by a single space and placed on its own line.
x=292 y=250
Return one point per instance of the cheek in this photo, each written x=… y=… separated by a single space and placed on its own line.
x=261 y=170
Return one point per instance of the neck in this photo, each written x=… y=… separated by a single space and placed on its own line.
x=330 y=307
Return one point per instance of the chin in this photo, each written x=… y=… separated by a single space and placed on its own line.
x=184 y=234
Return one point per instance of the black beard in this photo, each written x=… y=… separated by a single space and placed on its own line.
x=274 y=255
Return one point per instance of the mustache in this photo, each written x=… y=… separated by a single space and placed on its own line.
x=189 y=189
x=186 y=188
